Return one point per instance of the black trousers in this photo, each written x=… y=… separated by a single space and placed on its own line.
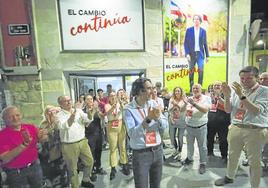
x=218 y=123
x=95 y=143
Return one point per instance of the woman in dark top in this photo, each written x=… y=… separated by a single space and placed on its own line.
x=94 y=133
x=218 y=122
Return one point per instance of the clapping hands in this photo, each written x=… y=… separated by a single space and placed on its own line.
x=226 y=90
x=190 y=100
x=237 y=88
x=43 y=135
x=154 y=112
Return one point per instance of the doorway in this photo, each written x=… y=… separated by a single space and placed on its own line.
x=80 y=84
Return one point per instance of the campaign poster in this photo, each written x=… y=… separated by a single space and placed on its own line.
x=101 y=25
x=195 y=42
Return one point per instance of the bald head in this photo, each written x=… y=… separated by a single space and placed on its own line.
x=12 y=116
x=197 y=89
x=65 y=102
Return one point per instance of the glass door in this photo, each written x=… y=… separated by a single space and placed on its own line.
x=81 y=85
x=115 y=81
x=128 y=82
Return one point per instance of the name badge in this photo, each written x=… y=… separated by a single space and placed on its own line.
x=176 y=115
x=239 y=115
x=189 y=113
x=213 y=108
x=150 y=138
x=115 y=123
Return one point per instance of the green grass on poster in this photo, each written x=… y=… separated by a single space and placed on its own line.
x=214 y=70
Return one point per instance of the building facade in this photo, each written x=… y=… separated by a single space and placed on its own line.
x=33 y=81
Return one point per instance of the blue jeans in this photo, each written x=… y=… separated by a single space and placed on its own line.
x=20 y=178
x=147 y=164
x=196 y=59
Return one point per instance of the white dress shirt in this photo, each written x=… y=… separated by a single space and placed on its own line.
x=196 y=40
x=75 y=132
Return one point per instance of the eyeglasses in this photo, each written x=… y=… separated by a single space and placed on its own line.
x=67 y=100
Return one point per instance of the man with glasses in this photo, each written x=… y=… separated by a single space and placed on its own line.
x=218 y=122
x=144 y=122
x=71 y=123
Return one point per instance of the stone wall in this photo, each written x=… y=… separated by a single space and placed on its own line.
x=25 y=93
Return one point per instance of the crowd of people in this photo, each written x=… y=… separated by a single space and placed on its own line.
x=73 y=134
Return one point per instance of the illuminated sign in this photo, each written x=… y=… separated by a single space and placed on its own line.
x=90 y=25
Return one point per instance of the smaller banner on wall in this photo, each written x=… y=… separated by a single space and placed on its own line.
x=101 y=25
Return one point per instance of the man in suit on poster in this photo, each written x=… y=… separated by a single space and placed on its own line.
x=196 y=49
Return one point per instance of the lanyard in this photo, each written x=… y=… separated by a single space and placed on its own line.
x=198 y=98
x=142 y=113
x=114 y=112
x=215 y=100
x=253 y=89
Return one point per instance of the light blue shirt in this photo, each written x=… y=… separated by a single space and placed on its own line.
x=133 y=120
x=259 y=98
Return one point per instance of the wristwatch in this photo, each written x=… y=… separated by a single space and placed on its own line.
x=243 y=97
x=148 y=120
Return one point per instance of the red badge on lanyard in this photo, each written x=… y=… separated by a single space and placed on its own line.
x=189 y=111
x=176 y=114
x=214 y=108
x=150 y=137
x=240 y=113
x=115 y=122
x=190 y=107
x=214 y=105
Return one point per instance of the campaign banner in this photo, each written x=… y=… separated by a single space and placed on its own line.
x=195 y=42
x=102 y=25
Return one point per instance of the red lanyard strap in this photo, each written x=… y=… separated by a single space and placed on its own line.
x=254 y=88
x=114 y=112
x=142 y=113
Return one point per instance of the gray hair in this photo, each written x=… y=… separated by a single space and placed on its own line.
x=7 y=110
x=264 y=74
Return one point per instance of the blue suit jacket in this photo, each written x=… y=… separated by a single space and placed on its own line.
x=189 y=42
